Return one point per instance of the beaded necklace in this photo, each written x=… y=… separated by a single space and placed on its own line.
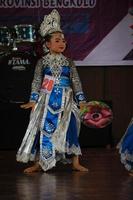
x=55 y=62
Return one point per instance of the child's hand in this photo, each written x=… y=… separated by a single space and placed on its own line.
x=28 y=105
x=82 y=105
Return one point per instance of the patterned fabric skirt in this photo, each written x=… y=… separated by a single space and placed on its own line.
x=126 y=148
x=48 y=145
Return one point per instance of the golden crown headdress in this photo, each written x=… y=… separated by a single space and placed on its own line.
x=50 y=24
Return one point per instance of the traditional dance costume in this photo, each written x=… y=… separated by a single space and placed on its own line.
x=126 y=147
x=55 y=121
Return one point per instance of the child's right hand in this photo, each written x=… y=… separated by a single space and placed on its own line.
x=28 y=105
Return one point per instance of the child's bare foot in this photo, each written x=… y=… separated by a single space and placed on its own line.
x=35 y=168
x=77 y=166
x=80 y=168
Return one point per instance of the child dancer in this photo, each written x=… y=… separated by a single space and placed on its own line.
x=56 y=92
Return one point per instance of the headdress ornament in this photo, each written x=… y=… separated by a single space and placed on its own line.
x=50 y=24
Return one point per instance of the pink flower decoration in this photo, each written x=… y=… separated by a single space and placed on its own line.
x=96 y=114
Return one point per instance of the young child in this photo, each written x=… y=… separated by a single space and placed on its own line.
x=56 y=92
x=125 y=147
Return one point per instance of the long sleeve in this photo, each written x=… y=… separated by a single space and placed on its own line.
x=76 y=84
x=37 y=81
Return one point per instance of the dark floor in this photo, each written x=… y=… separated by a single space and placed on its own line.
x=106 y=180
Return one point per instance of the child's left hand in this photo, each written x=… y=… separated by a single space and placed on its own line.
x=82 y=105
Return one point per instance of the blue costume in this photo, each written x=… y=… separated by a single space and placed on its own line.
x=55 y=122
x=126 y=147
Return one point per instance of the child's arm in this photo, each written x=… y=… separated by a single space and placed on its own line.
x=37 y=81
x=35 y=87
x=77 y=87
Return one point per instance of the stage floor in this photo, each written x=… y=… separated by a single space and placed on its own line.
x=106 y=180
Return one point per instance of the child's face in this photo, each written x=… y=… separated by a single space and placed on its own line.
x=57 y=43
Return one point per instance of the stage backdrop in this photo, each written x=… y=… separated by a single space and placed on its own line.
x=99 y=32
